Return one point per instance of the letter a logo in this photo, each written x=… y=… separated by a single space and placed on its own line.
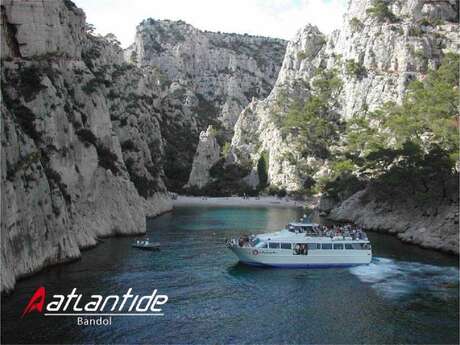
x=36 y=302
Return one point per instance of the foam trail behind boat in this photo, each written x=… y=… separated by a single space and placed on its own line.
x=394 y=279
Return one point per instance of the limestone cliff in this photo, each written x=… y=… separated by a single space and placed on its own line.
x=433 y=227
x=375 y=60
x=210 y=78
x=207 y=154
x=81 y=143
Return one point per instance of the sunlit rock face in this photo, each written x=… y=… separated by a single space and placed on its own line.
x=210 y=78
x=88 y=135
x=81 y=140
x=225 y=69
x=435 y=228
x=207 y=154
x=56 y=26
x=389 y=55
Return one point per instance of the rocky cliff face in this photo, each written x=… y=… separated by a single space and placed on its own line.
x=81 y=143
x=226 y=70
x=210 y=78
x=207 y=154
x=433 y=227
x=375 y=60
x=376 y=54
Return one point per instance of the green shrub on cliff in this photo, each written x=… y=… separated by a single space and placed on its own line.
x=301 y=55
x=343 y=186
x=355 y=24
x=415 y=31
x=315 y=124
x=226 y=149
x=87 y=136
x=70 y=5
x=381 y=11
x=30 y=81
x=355 y=69
x=411 y=148
x=262 y=169
x=106 y=158
x=276 y=191
x=22 y=164
x=427 y=116
x=91 y=86
x=408 y=149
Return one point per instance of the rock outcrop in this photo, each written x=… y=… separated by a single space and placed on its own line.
x=375 y=59
x=81 y=143
x=207 y=154
x=435 y=228
x=210 y=77
x=226 y=70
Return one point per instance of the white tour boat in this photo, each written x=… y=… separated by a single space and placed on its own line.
x=304 y=245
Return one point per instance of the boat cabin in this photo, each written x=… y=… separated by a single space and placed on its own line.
x=304 y=248
x=302 y=244
x=307 y=228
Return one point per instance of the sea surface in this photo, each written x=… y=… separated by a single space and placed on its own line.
x=406 y=295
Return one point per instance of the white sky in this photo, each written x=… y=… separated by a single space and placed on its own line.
x=274 y=18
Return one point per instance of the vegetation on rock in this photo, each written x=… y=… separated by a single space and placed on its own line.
x=315 y=124
x=262 y=169
x=227 y=181
x=355 y=69
x=410 y=148
x=381 y=11
x=355 y=24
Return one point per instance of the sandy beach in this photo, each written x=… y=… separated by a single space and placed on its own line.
x=239 y=201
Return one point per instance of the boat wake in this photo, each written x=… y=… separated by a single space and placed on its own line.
x=395 y=279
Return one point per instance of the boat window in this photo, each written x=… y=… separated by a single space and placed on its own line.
x=314 y=246
x=273 y=245
x=326 y=246
x=261 y=245
x=286 y=246
x=357 y=245
x=338 y=245
x=348 y=246
x=301 y=249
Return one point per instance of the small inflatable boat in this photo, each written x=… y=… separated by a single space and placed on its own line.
x=146 y=245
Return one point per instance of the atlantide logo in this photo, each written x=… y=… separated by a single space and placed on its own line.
x=127 y=304
x=36 y=301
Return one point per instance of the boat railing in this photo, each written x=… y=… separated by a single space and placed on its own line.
x=250 y=242
x=341 y=237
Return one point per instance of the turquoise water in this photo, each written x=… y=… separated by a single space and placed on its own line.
x=406 y=295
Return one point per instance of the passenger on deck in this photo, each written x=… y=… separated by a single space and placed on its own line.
x=297 y=249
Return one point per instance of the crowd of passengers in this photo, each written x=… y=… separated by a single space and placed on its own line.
x=332 y=231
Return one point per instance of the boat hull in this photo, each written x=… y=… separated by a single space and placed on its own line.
x=315 y=259
x=155 y=247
